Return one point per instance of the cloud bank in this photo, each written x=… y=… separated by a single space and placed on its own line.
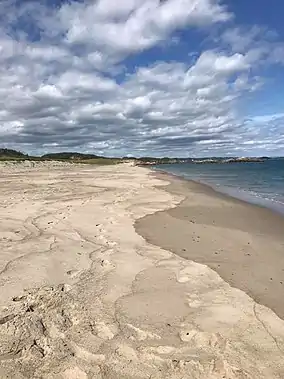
x=66 y=82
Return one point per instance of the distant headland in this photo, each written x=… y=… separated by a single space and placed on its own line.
x=215 y=160
x=75 y=157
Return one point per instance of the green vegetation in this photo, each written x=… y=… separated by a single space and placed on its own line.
x=11 y=154
x=16 y=156
x=74 y=157
x=70 y=155
x=99 y=161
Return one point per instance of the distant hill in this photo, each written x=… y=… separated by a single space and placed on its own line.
x=10 y=153
x=68 y=155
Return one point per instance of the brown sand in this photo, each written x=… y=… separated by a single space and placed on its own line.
x=83 y=296
x=244 y=243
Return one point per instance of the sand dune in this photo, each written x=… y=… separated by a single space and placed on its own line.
x=84 y=296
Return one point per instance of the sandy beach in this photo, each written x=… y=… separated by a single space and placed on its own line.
x=111 y=272
x=244 y=243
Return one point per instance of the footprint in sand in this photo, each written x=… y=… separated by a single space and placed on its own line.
x=73 y=273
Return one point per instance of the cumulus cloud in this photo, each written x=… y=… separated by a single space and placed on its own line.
x=136 y=24
x=65 y=83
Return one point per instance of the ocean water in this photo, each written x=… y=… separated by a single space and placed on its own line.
x=257 y=183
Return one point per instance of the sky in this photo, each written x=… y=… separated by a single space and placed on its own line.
x=186 y=78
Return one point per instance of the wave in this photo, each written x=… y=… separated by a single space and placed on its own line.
x=255 y=187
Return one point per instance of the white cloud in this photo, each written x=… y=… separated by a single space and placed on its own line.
x=264 y=119
x=60 y=91
x=261 y=43
x=241 y=39
x=210 y=62
x=136 y=24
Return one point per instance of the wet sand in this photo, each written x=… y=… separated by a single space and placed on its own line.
x=244 y=243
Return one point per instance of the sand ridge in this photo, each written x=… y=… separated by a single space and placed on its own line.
x=84 y=296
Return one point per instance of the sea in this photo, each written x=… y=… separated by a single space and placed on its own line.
x=253 y=182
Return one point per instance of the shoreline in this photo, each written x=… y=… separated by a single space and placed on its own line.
x=215 y=189
x=242 y=242
x=234 y=193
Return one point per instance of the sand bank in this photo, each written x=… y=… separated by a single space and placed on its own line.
x=84 y=296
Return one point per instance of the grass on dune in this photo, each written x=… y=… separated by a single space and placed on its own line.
x=99 y=161
x=94 y=161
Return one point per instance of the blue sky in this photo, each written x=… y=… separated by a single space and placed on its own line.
x=143 y=77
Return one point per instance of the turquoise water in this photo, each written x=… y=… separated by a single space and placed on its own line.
x=258 y=183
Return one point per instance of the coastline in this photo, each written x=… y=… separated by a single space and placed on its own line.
x=233 y=194
x=242 y=242
x=243 y=195
x=83 y=296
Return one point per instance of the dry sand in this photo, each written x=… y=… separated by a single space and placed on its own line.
x=84 y=296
